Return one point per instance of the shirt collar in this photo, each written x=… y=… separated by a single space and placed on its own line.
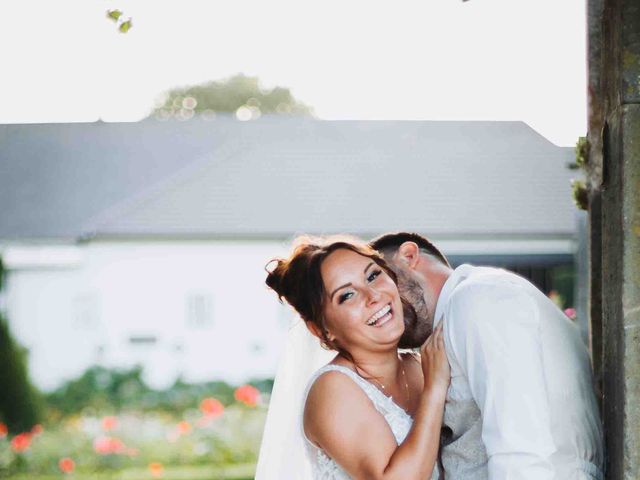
x=459 y=274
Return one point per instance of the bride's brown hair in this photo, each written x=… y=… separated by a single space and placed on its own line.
x=297 y=279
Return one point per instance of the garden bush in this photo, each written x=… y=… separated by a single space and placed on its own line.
x=20 y=402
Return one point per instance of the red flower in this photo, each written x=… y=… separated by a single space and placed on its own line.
x=211 y=407
x=36 y=429
x=3 y=430
x=156 y=469
x=109 y=423
x=248 y=394
x=21 y=442
x=66 y=465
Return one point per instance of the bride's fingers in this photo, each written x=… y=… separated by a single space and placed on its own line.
x=438 y=331
x=428 y=344
x=433 y=338
x=439 y=334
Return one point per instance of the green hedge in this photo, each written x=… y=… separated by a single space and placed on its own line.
x=115 y=390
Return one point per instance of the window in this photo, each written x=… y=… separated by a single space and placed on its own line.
x=199 y=310
x=144 y=340
x=86 y=312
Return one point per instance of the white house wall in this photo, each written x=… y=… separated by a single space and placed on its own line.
x=76 y=306
x=86 y=312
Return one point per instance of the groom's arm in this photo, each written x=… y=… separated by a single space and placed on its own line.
x=494 y=332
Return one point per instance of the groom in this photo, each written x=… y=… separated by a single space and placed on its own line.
x=521 y=403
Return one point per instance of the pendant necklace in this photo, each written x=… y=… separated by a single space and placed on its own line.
x=404 y=377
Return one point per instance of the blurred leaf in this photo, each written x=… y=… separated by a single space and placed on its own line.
x=125 y=26
x=114 y=14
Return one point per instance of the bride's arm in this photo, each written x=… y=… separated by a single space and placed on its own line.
x=359 y=439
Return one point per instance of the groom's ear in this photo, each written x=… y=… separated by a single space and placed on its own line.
x=408 y=255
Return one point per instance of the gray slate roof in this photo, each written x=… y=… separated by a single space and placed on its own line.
x=278 y=176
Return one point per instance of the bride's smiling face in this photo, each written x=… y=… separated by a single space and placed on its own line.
x=362 y=306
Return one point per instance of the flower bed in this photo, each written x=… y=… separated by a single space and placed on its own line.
x=210 y=441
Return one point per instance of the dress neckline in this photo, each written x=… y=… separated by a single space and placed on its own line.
x=388 y=398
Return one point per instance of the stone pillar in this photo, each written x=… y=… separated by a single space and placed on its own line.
x=614 y=168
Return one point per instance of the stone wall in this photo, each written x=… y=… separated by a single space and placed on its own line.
x=614 y=171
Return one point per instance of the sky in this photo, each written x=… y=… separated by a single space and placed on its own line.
x=63 y=61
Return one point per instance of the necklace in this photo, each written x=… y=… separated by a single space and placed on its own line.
x=404 y=377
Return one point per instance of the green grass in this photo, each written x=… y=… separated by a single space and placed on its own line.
x=200 y=472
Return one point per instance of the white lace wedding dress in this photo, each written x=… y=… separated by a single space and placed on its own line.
x=324 y=468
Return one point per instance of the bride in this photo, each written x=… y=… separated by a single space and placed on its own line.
x=370 y=413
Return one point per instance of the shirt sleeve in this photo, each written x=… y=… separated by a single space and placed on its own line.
x=494 y=333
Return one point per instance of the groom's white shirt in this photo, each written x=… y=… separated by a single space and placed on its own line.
x=521 y=402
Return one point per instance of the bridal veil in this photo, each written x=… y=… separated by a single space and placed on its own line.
x=282 y=452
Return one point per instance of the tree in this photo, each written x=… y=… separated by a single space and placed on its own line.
x=239 y=94
x=20 y=402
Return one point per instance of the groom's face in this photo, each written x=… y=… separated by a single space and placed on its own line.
x=418 y=320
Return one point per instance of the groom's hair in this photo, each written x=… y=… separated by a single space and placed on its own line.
x=389 y=243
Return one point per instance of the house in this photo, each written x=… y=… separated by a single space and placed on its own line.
x=146 y=242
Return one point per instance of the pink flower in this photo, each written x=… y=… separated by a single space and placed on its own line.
x=570 y=312
x=109 y=445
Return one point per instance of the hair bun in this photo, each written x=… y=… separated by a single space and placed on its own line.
x=275 y=276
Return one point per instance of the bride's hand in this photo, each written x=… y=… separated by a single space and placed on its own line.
x=435 y=365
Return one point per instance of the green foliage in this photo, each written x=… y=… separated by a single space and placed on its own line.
x=118 y=17
x=146 y=426
x=265 y=385
x=114 y=15
x=125 y=26
x=579 y=189
x=231 y=440
x=580 y=194
x=101 y=389
x=239 y=94
x=582 y=152
x=563 y=278
x=20 y=402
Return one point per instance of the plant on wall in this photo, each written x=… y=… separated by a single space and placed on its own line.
x=578 y=186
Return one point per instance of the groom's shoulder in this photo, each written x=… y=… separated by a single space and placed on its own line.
x=488 y=295
x=481 y=283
